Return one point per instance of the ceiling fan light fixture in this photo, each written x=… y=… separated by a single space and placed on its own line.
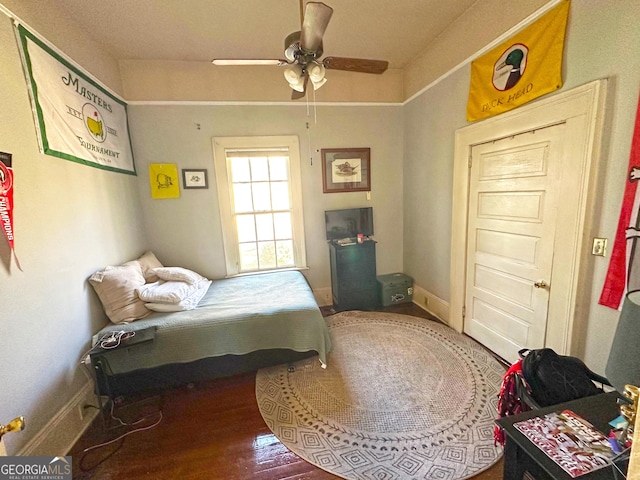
x=318 y=84
x=292 y=46
x=316 y=73
x=298 y=86
x=293 y=74
x=303 y=51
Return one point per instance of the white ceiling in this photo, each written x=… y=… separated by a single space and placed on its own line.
x=200 y=30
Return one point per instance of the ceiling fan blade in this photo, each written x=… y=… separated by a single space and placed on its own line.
x=295 y=95
x=249 y=61
x=356 y=64
x=316 y=19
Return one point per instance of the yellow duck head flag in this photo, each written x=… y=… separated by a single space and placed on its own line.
x=521 y=69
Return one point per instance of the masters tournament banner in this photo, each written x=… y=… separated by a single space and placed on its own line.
x=77 y=119
x=521 y=69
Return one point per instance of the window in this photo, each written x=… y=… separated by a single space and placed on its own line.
x=260 y=199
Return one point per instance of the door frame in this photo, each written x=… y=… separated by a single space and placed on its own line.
x=583 y=107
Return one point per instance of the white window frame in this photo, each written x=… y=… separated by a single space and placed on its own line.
x=229 y=230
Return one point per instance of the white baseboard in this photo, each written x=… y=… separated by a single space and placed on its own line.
x=323 y=296
x=432 y=304
x=61 y=433
x=421 y=297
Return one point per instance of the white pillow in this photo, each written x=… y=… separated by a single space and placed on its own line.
x=164 y=292
x=178 y=274
x=116 y=289
x=189 y=303
x=148 y=262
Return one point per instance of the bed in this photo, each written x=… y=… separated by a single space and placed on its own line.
x=241 y=324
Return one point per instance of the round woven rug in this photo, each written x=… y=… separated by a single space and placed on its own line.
x=401 y=398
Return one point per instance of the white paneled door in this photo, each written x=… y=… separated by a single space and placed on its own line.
x=514 y=191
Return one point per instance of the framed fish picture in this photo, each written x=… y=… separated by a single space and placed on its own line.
x=346 y=170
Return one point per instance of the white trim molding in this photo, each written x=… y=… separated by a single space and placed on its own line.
x=64 y=429
x=497 y=41
x=431 y=303
x=323 y=296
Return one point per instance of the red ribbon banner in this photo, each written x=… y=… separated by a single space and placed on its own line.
x=6 y=200
x=621 y=262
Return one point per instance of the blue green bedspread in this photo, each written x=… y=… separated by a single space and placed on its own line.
x=236 y=316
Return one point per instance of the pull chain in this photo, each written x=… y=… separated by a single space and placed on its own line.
x=309 y=143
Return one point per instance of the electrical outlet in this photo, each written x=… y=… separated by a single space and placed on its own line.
x=599 y=247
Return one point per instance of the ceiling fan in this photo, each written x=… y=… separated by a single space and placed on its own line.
x=303 y=49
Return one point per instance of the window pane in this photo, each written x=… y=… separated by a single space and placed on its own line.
x=280 y=195
x=267 y=254
x=284 y=251
x=264 y=225
x=282 y=224
x=248 y=256
x=242 y=197
x=246 y=228
x=261 y=196
x=278 y=168
x=259 y=169
x=240 y=170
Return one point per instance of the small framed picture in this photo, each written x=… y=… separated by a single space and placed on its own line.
x=194 y=178
x=346 y=170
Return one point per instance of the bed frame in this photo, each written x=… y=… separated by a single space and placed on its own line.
x=241 y=325
x=178 y=374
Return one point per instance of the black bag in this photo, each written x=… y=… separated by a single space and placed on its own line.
x=554 y=378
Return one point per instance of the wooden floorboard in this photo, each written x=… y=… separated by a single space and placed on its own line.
x=212 y=430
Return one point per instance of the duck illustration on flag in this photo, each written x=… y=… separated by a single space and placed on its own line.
x=510 y=67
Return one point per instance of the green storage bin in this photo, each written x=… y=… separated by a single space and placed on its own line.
x=395 y=288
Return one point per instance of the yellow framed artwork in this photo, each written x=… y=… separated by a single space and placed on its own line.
x=163 y=178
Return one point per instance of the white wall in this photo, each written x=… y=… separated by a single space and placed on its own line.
x=602 y=41
x=187 y=232
x=69 y=220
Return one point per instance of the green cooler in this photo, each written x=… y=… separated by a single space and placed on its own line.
x=395 y=288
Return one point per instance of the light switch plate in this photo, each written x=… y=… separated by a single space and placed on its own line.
x=599 y=247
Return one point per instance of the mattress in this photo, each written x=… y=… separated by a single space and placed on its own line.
x=236 y=316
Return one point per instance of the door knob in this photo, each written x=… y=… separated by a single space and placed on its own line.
x=540 y=284
x=16 y=424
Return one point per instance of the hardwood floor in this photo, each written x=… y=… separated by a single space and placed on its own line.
x=212 y=430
